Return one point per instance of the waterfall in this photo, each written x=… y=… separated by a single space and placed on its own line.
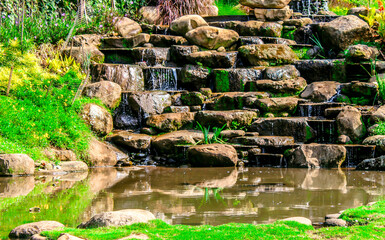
x=309 y=7
x=125 y=117
x=161 y=78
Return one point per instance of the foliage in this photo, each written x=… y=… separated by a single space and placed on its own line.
x=215 y=138
x=226 y=7
x=341 y=11
x=39 y=114
x=376 y=19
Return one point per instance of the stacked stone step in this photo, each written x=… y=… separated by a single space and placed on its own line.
x=267 y=10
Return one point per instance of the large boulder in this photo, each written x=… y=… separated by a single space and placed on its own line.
x=212 y=155
x=290 y=86
x=131 y=141
x=16 y=164
x=214 y=59
x=343 y=32
x=376 y=164
x=150 y=103
x=98 y=118
x=317 y=155
x=129 y=77
x=265 y=3
x=166 y=143
x=26 y=231
x=378 y=141
x=220 y=118
x=171 y=121
x=184 y=24
x=127 y=27
x=273 y=14
x=320 y=91
x=266 y=54
x=101 y=154
x=118 y=218
x=362 y=52
x=150 y=14
x=295 y=127
x=349 y=123
x=108 y=92
x=212 y=37
x=276 y=105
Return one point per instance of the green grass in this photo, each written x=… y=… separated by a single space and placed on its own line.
x=367 y=223
x=228 y=8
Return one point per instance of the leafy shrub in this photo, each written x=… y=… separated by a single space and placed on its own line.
x=227 y=7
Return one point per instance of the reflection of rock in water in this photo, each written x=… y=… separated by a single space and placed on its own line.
x=17 y=186
x=316 y=181
x=103 y=203
x=225 y=182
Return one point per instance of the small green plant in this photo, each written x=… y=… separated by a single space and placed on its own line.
x=215 y=138
x=226 y=8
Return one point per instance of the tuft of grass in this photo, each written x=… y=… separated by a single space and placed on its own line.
x=226 y=8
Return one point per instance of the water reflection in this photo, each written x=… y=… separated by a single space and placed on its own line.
x=188 y=196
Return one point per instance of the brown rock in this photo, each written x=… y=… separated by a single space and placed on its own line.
x=273 y=14
x=98 y=118
x=378 y=115
x=159 y=40
x=28 y=230
x=301 y=220
x=335 y=223
x=349 y=123
x=232 y=133
x=101 y=154
x=73 y=166
x=108 y=92
x=16 y=164
x=281 y=73
x=212 y=37
x=265 y=3
x=59 y=154
x=130 y=42
x=214 y=59
x=79 y=54
x=221 y=118
x=150 y=14
x=276 y=105
x=184 y=24
x=212 y=155
x=265 y=54
x=361 y=52
x=151 y=102
x=320 y=91
x=264 y=141
x=127 y=27
x=169 y=122
x=290 y=86
x=166 y=143
x=86 y=40
x=132 y=141
x=118 y=218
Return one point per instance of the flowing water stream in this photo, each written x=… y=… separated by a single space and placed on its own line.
x=191 y=196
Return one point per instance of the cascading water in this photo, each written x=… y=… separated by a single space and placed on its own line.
x=125 y=117
x=309 y=7
x=161 y=78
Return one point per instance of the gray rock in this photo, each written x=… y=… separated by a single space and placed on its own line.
x=301 y=220
x=26 y=231
x=335 y=223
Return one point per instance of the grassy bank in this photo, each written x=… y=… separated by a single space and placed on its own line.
x=366 y=222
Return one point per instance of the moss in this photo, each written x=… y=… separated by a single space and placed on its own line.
x=309 y=134
x=339 y=71
x=222 y=81
x=360 y=101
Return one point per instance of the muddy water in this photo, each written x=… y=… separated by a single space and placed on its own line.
x=189 y=196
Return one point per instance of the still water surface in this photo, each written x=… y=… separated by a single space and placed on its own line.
x=188 y=196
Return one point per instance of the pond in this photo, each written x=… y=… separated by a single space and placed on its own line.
x=192 y=196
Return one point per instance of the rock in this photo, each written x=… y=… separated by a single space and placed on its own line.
x=257 y=28
x=16 y=164
x=118 y=218
x=332 y=216
x=232 y=133
x=209 y=10
x=151 y=102
x=359 y=89
x=361 y=52
x=12 y=187
x=301 y=220
x=195 y=77
x=265 y=3
x=130 y=42
x=26 y=231
x=150 y=55
x=335 y=223
x=271 y=29
x=100 y=154
x=320 y=91
x=349 y=123
x=212 y=37
x=298 y=22
x=86 y=40
x=264 y=141
x=212 y=155
x=127 y=27
x=317 y=155
x=129 y=77
x=234 y=79
x=276 y=105
x=108 y=92
x=135 y=236
x=169 y=122
x=213 y=59
x=192 y=98
x=220 y=118
x=273 y=14
x=378 y=115
x=38 y=237
x=358 y=11
x=184 y=24
x=235 y=100
x=290 y=86
x=372 y=164
x=59 y=154
x=160 y=40
x=98 y=118
x=166 y=143
x=250 y=40
x=73 y=166
x=344 y=139
x=177 y=109
x=150 y=14
x=79 y=54
x=294 y=127
x=132 y=141
x=266 y=54
x=343 y=32
x=249 y=28
x=179 y=53
x=281 y=73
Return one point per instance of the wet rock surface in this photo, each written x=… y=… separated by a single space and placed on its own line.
x=212 y=155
